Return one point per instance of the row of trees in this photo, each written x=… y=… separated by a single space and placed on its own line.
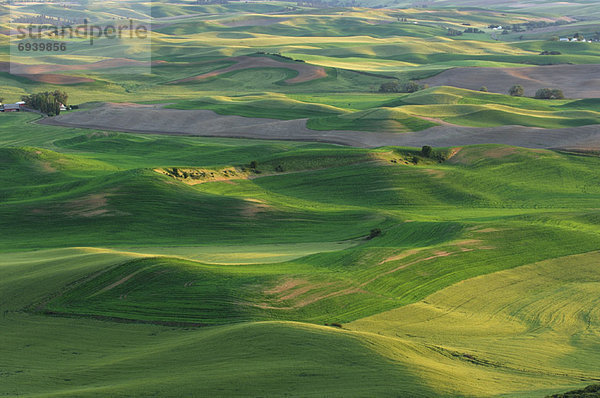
x=48 y=102
x=543 y=93
x=401 y=87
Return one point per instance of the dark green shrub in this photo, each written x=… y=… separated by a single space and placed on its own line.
x=516 y=90
x=591 y=391
x=397 y=87
x=375 y=232
x=426 y=151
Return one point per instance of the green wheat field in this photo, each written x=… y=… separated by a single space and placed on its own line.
x=137 y=263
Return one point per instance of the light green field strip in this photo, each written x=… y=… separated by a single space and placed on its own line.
x=241 y=254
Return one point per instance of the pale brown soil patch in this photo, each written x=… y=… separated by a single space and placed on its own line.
x=454 y=151
x=487 y=230
x=436 y=254
x=468 y=242
x=400 y=256
x=435 y=173
x=285 y=286
x=469 y=157
x=297 y=292
x=251 y=208
x=436 y=120
x=93 y=205
x=306 y=72
x=500 y=152
x=88 y=205
x=47 y=167
x=293 y=288
x=316 y=298
x=311 y=299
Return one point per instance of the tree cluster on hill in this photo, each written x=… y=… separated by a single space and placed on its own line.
x=473 y=30
x=453 y=32
x=46 y=102
x=549 y=93
x=542 y=24
x=398 y=87
x=42 y=19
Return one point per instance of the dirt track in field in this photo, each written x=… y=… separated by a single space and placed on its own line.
x=157 y=120
x=306 y=72
x=576 y=81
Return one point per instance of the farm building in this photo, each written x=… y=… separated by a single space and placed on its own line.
x=11 y=107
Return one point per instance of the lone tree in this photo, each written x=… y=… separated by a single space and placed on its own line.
x=426 y=151
x=483 y=89
x=375 y=232
x=516 y=90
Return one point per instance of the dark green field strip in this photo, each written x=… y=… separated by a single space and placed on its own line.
x=92 y=359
